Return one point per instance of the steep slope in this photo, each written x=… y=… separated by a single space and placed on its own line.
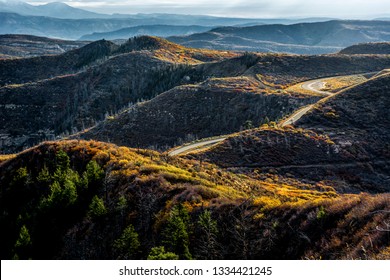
x=344 y=141
x=215 y=107
x=14 y=46
x=368 y=48
x=91 y=200
x=302 y=38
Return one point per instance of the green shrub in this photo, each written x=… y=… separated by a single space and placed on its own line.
x=21 y=177
x=321 y=213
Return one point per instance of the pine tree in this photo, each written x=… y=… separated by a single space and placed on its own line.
x=63 y=161
x=176 y=236
x=97 y=207
x=128 y=244
x=23 y=244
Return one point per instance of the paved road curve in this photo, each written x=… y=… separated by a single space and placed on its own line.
x=184 y=149
x=296 y=116
x=316 y=86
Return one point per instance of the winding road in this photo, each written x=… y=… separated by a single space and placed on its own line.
x=311 y=85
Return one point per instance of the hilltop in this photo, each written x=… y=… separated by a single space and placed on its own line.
x=368 y=48
x=168 y=51
x=92 y=200
x=300 y=38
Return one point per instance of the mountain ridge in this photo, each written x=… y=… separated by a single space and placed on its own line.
x=51 y=9
x=297 y=38
x=150 y=30
x=368 y=48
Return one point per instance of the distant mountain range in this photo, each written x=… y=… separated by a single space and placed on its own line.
x=151 y=30
x=54 y=9
x=298 y=36
x=13 y=23
x=308 y=38
x=64 y=11
x=62 y=21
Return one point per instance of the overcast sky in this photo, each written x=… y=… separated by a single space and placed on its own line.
x=242 y=8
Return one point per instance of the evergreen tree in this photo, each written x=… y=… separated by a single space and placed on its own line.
x=176 y=236
x=24 y=238
x=128 y=244
x=94 y=172
x=23 y=244
x=97 y=207
x=63 y=161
